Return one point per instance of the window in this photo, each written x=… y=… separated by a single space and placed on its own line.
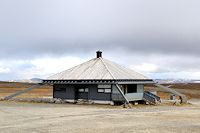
x=100 y=90
x=107 y=90
x=132 y=88
x=81 y=90
x=104 y=86
x=86 y=89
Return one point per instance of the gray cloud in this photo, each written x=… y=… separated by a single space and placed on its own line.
x=131 y=32
x=34 y=28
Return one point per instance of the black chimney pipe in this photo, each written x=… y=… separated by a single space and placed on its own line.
x=99 y=54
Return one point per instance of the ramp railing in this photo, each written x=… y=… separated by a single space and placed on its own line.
x=149 y=98
x=182 y=96
x=153 y=95
x=22 y=92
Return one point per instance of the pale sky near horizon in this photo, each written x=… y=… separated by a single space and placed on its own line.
x=160 y=39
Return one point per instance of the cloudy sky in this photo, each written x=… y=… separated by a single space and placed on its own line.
x=160 y=39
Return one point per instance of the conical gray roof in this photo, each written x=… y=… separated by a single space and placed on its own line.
x=98 y=69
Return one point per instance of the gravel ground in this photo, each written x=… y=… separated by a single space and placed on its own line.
x=19 y=117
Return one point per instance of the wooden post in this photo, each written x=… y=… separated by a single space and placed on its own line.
x=126 y=100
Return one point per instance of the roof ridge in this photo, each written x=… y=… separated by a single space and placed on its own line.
x=95 y=62
x=98 y=68
x=107 y=68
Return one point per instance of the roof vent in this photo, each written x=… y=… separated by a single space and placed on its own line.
x=99 y=54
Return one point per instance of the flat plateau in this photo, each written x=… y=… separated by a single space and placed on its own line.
x=20 y=117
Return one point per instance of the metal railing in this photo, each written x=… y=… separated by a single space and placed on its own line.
x=153 y=95
x=22 y=92
x=182 y=96
x=149 y=98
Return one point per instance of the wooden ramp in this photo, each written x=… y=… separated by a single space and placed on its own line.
x=22 y=92
x=182 y=96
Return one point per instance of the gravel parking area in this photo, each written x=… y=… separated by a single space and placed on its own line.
x=49 y=118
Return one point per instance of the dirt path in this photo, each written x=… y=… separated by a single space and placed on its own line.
x=195 y=102
x=44 y=118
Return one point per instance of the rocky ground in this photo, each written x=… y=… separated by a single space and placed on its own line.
x=46 y=118
x=49 y=117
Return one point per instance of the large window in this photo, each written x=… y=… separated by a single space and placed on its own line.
x=132 y=88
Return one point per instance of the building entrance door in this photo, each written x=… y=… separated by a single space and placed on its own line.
x=82 y=92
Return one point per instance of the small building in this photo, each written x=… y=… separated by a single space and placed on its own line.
x=100 y=81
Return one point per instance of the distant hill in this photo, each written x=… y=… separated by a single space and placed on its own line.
x=33 y=80
x=174 y=81
x=36 y=80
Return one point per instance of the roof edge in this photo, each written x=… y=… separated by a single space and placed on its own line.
x=99 y=81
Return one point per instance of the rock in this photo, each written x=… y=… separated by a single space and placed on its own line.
x=58 y=101
x=1 y=99
x=52 y=100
